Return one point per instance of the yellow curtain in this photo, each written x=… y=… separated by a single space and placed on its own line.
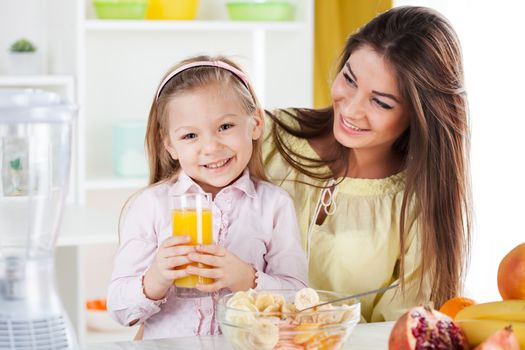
x=335 y=20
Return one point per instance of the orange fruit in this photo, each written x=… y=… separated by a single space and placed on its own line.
x=453 y=305
x=96 y=305
x=511 y=274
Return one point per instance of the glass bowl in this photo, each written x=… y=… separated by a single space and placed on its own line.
x=269 y=320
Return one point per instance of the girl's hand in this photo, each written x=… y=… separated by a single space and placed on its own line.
x=159 y=277
x=227 y=270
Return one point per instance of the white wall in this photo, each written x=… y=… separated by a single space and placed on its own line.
x=492 y=35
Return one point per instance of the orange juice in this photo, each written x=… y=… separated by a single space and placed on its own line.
x=185 y=223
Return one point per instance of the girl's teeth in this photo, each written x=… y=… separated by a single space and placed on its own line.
x=217 y=165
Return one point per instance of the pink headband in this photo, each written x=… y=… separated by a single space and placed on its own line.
x=219 y=64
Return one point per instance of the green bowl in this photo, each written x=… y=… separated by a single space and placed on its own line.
x=120 y=9
x=260 y=11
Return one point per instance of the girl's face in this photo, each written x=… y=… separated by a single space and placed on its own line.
x=211 y=135
x=368 y=111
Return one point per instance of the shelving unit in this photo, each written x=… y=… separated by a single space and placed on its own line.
x=111 y=69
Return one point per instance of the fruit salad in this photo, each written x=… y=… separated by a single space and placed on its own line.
x=272 y=320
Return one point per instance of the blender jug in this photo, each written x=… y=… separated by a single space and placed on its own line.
x=35 y=150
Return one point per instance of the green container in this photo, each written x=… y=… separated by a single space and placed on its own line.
x=120 y=9
x=260 y=10
x=127 y=146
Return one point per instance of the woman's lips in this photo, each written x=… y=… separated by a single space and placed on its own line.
x=351 y=128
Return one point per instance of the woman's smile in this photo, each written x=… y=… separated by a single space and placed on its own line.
x=352 y=129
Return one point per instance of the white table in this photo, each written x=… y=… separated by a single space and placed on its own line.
x=364 y=337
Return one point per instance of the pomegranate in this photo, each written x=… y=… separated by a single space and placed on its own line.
x=423 y=328
x=504 y=339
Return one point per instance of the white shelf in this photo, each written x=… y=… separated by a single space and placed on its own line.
x=115 y=183
x=151 y=25
x=83 y=225
x=36 y=80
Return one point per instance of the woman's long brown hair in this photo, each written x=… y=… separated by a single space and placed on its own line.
x=424 y=50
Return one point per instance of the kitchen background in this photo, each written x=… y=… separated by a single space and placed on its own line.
x=110 y=68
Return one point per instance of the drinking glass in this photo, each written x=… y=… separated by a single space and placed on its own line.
x=192 y=216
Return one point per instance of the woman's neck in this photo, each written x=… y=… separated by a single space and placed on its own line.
x=373 y=164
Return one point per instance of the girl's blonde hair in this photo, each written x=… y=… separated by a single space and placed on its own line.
x=162 y=166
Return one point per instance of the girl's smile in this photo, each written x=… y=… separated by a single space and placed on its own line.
x=211 y=136
x=218 y=165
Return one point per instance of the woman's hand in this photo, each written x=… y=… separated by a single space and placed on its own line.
x=159 y=277
x=227 y=270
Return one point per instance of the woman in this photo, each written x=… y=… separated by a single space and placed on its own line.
x=380 y=179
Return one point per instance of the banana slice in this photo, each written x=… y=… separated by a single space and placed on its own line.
x=247 y=296
x=263 y=336
x=271 y=310
x=306 y=297
x=330 y=315
x=242 y=304
x=288 y=308
x=263 y=300
x=279 y=299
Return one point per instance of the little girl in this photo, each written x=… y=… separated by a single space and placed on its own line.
x=204 y=134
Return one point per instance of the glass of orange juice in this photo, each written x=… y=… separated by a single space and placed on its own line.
x=192 y=216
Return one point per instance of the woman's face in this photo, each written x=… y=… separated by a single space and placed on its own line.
x=368 y=111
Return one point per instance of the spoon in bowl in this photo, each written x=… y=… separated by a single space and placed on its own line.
x=358 y=295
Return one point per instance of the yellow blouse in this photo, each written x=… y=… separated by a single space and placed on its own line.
x=356 y=248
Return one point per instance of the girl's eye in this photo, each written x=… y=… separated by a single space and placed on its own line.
x=225 y=126
x=382 y=104
x=189 y=136
x=349 y=79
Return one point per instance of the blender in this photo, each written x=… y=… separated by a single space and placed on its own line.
x=36 y=130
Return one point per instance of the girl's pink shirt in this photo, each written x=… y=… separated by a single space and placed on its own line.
x=253 y=219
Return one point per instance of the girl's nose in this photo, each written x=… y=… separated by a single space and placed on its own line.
x=210 y=145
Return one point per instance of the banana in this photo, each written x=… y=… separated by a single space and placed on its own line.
x=263 y=300
x=306 y=298
x=506 y=310
x=478 y=331
x=264 y=335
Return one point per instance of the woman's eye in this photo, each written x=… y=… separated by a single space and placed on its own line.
x=189 y=136
x=225 y=127
x=382 y=104
x=349 y=79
